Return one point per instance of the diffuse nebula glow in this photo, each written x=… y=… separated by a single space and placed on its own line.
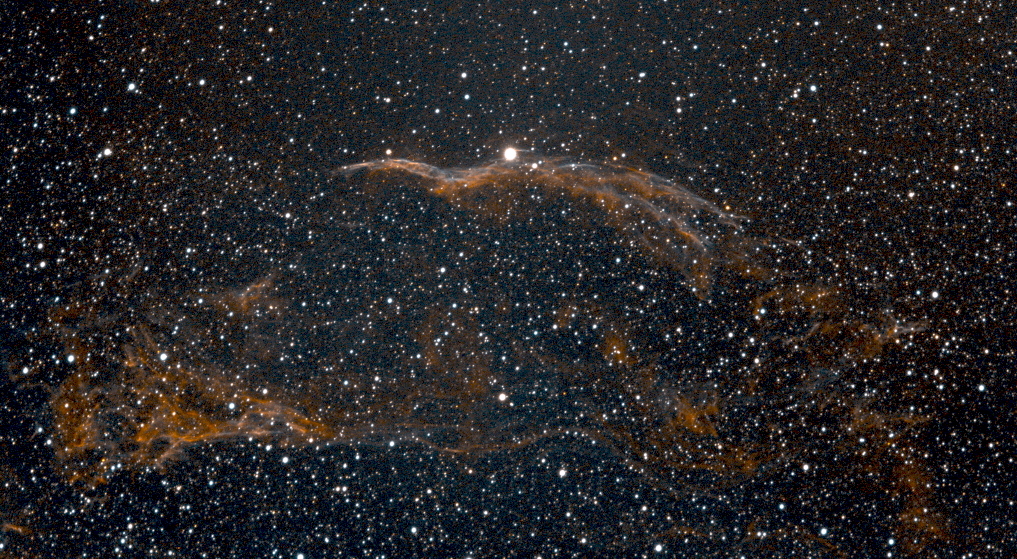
x=484 y=310
x=658 y=217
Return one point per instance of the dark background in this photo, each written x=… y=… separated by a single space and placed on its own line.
x=880 y=136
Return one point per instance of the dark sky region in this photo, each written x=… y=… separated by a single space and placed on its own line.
x=507 y=279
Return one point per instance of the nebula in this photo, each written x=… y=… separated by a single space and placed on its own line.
x=485 y=310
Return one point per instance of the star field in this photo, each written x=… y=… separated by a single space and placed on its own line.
x=530 y=279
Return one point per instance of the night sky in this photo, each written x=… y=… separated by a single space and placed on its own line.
x=523 y=279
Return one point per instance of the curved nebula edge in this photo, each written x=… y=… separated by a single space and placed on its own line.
x=487 y=310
